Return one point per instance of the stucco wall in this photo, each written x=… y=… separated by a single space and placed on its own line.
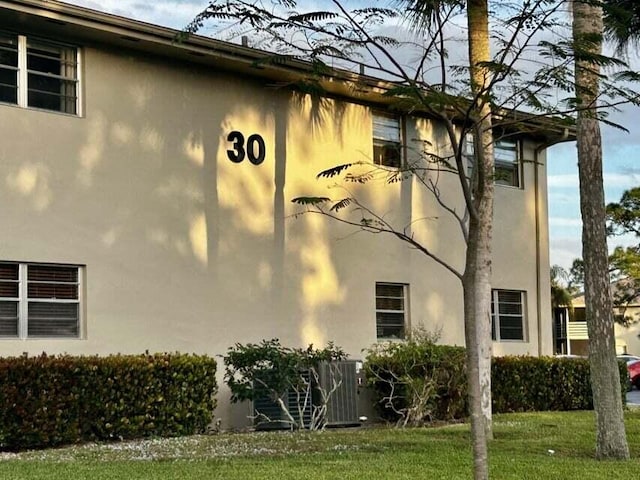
x=185 y=250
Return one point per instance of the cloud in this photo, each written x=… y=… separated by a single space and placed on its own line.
x=566 y=180
x=556 y=198
x=168 y=13
x=611 y=180
x=565 y=222
x=564 y=250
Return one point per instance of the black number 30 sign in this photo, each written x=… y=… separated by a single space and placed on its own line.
x=254 y=148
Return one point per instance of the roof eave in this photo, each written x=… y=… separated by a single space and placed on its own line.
x=84 y=23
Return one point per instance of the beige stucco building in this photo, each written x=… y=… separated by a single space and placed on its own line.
x=127 y=226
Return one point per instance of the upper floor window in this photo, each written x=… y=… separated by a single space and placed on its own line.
x=38 y=74
x=38 y=300
x=506 y=154
x=387 y=140
x=507 y=315
x=507 y=162
x=391 y=310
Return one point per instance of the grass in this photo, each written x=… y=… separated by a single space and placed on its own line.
x=527 y=446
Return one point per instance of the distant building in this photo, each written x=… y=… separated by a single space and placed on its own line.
x=571 y=335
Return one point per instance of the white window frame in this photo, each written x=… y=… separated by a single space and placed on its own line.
x=23 y=301
x=395 y=142
x=404 y=311
x=23 y=74
x=499 y=147
x=496 y=315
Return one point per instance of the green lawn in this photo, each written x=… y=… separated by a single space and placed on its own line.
x=521 y=450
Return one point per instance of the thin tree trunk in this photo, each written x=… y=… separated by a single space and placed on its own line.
x=611 y=439
x=477 y=276
x=476 y=312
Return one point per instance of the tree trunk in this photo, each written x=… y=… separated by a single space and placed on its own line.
x=611 y=439
x=477 y=291
x=477 y=276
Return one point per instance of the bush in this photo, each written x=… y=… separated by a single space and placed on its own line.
x=418 y=381
x=47 y=401
x=285 y=381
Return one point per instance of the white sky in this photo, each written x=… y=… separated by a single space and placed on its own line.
x=621 y=150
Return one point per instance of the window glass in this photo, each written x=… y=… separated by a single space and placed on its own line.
x=37 y=73
x=39 y=300
x=52 y=77
x=507 y=315
x=8 y=68
x=390 y=310
x=507 y=170
x=9 y=277
x=53 y=301
x=48 y=319
x=53 y=282
x=506 y=160
x=8 y=319
x=387 y=141
x=9 y=297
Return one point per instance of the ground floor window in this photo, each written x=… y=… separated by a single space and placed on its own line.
x=507 y=315
x=391 y=310
x=40 y=300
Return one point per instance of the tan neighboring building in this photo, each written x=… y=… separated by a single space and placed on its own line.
x=572 y=338
x=129 y=222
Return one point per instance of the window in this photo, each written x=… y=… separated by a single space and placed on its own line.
x=391 y=314
x=506 y=157
x=38 y=300
x=387 y=141
x=38 y=74
x=507 y=165
x=8 y=69
x=507 y=315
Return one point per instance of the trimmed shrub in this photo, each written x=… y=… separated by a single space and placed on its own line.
x=418 y=381
x=544 y=383
x=48 y=401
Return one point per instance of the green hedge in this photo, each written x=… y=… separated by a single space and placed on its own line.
x=47 y=401
x=544 y=383
x=518 y=383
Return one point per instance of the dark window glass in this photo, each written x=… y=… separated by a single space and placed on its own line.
x=387 y=141
x=53 y=319
x=9 y=284
x=52 y=290
x=49 y=300
x=8 y=319
x=8 y=68
x=52 y=77
x=390 y=310
x=52 y=282
x=390 y=325
x=507 y=315
x=46 y=273
x=507 y=165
